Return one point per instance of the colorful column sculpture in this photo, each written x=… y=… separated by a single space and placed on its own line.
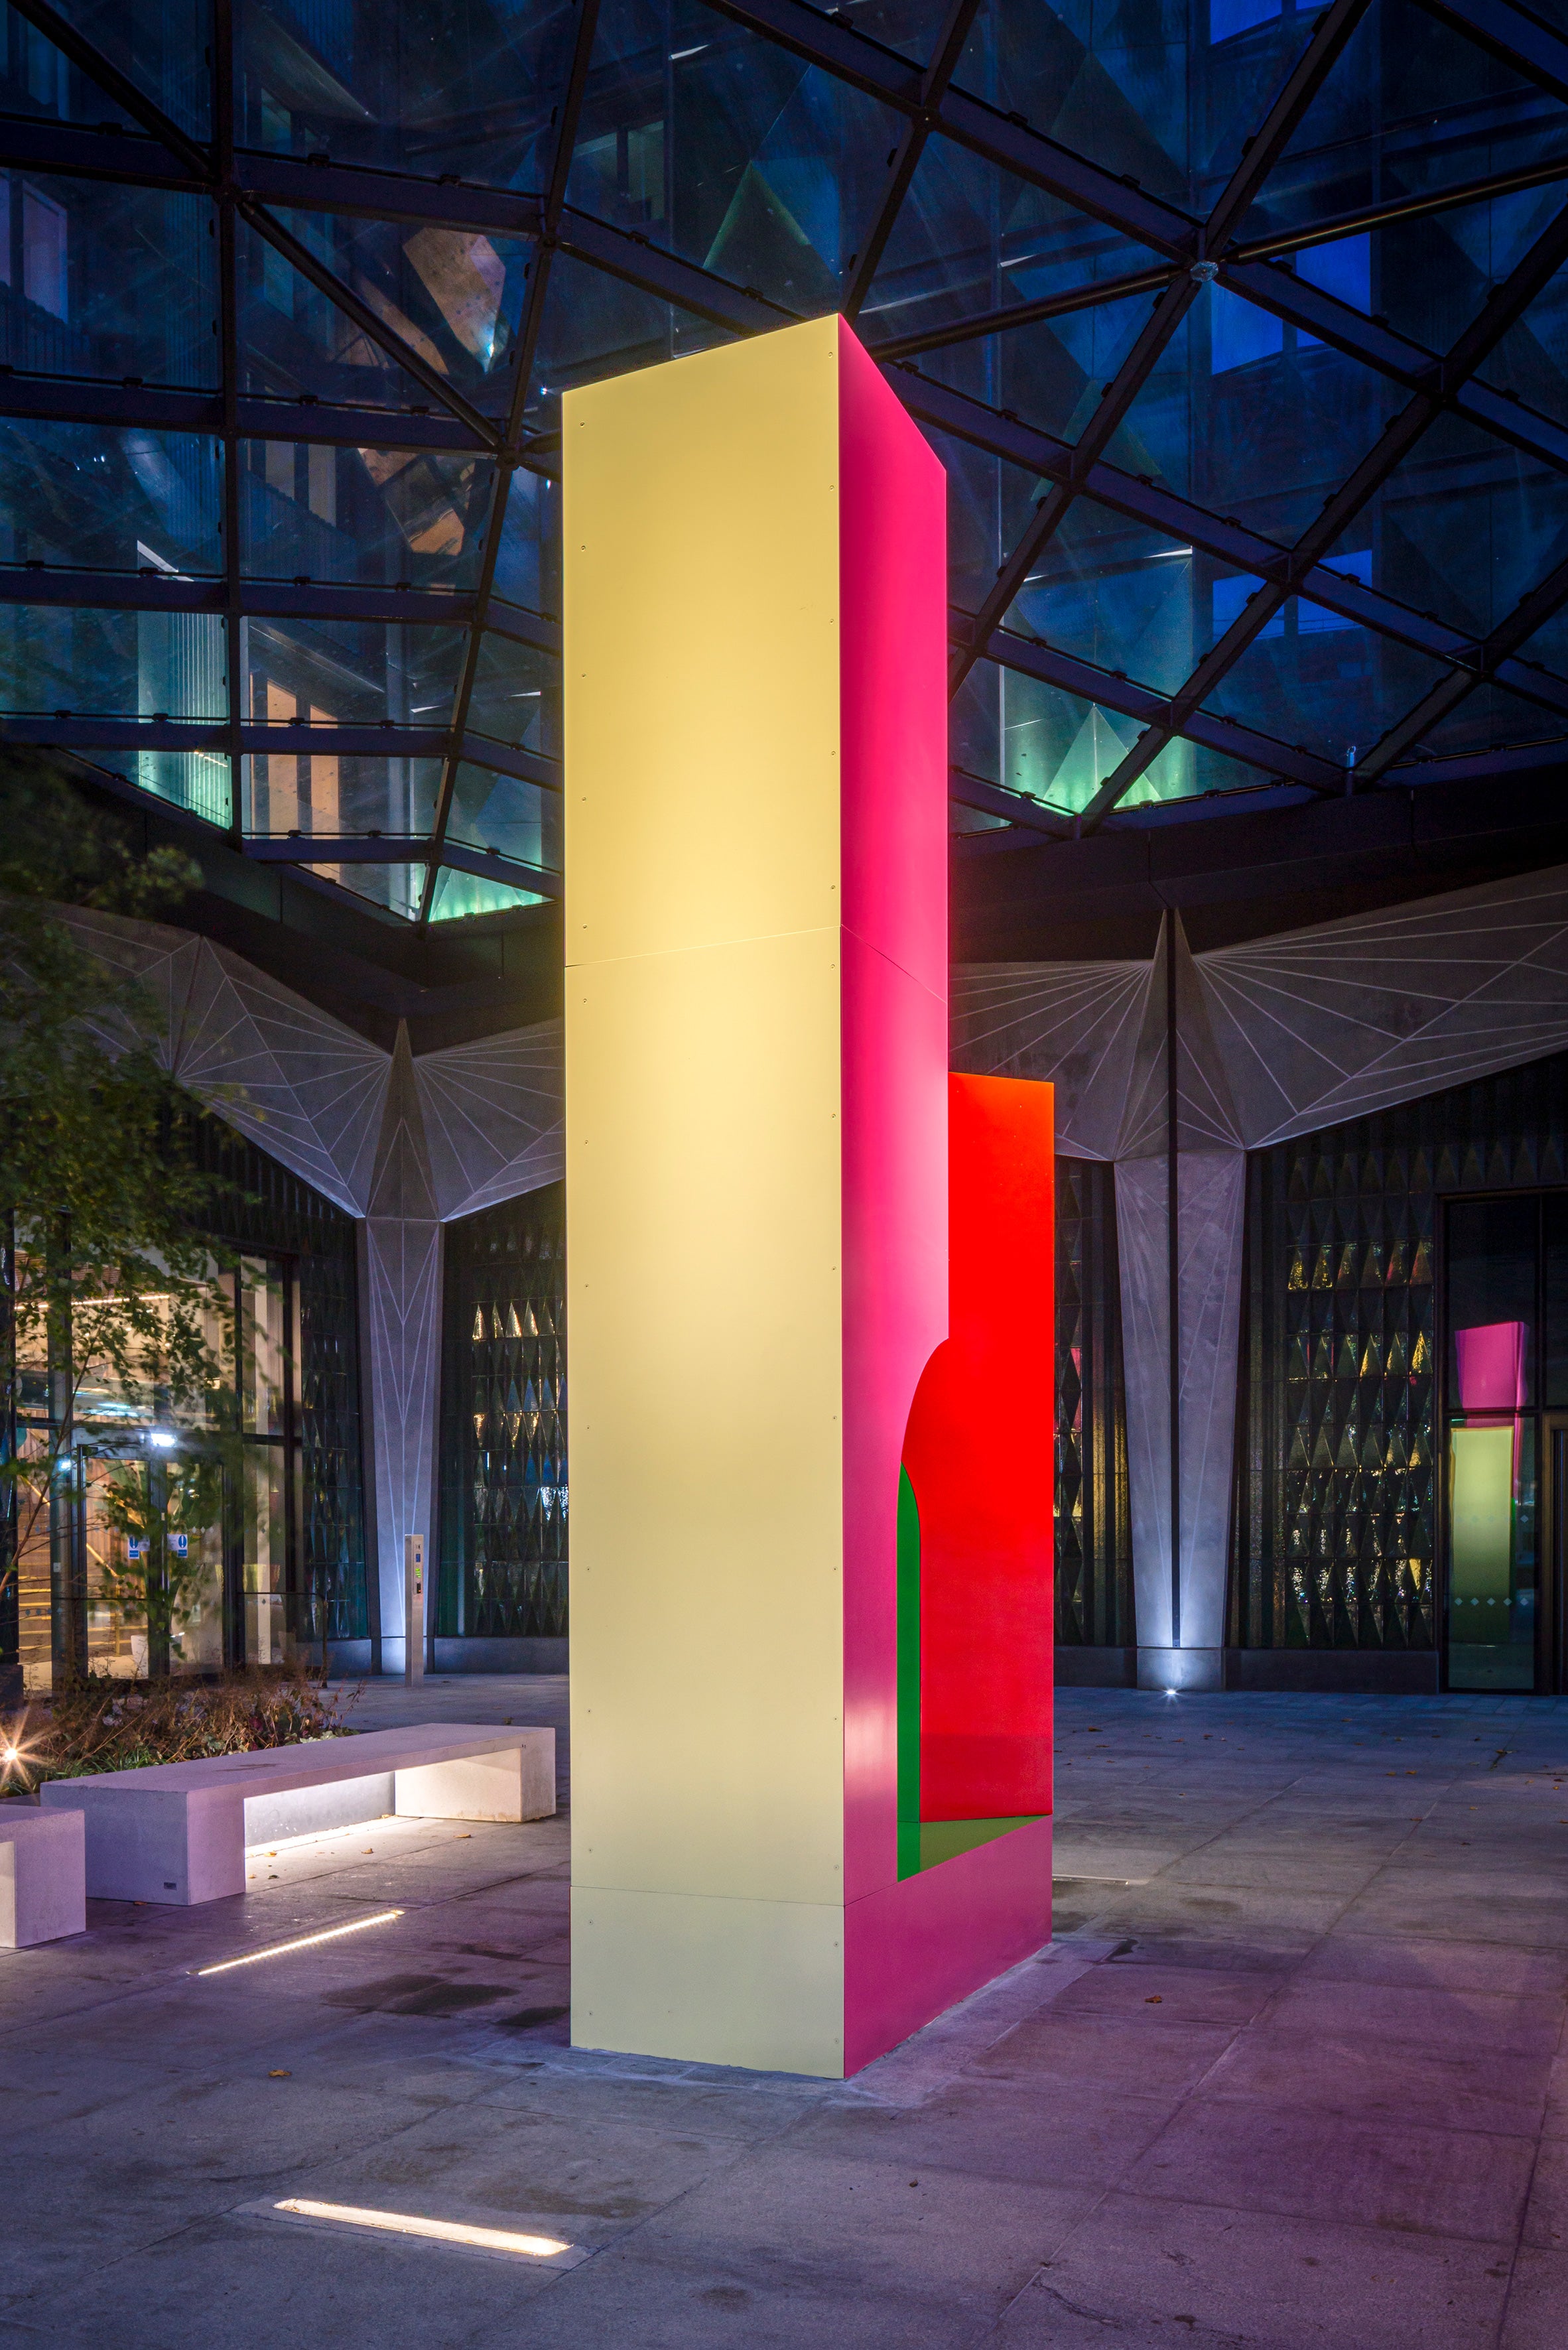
x=811 y=1435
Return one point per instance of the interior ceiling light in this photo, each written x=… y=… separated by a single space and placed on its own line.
x=301 y=1942
x=442 y=2231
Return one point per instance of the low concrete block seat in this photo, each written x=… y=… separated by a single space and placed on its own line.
x=43 y=1875
x=177 y=1831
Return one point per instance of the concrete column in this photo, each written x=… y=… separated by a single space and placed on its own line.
x=1211 y=1191
x=400 y=1322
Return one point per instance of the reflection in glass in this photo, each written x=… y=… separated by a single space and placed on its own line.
x=467 y=85
x=334 y=794
x=55 y=660
x=504 y=814
x=728 y=150
x=1491 y=1304
x=517 y=695
x=97 y=498
x=367 y=517
x=163 y=47
x=350 y=672
x=395 y=890
x=108 y=282
x=1491 y=1551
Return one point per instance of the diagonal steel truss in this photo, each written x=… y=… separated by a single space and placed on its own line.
x=1186 y=254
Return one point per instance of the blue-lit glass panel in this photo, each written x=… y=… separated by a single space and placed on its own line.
x=371 y=516
x=434 y=86
x=985 y=497
x=1464 y=527
x=1315 y=679
x=55 y=660
x=96 y=498
x=1270 y=424
x=1410 y=107
x=37 y=82
x=453 y=296
x=296 y=343
x=335 y=794
x=503 y=814
x=457 y=896
x=913 y=28
x=350 y=672
x=1532 y=360
x=163 y=47
x=728 y=150
x=969 y=239
x=517 y=695
x=528 y=561
x=1489 y=720
x=1156 y=436
x=1116 y=594
x=106 y=282
x=596 y=326
x=395 y=890
x=1110 y=82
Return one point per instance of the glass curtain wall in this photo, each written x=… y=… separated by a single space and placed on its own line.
x=504 y=1480
x=1404 y=1344
x=1093 y=1506
x=281 y=366
x=144 y=1545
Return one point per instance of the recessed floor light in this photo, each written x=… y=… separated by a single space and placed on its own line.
x=300 y=1942
x=440 y=2231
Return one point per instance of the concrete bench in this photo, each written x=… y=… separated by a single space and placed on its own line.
x=177 y=1831
x=43 y=1877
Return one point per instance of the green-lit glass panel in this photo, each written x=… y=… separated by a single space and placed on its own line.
x=460 y=895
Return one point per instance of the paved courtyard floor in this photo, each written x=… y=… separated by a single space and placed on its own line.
x=1293 y=2073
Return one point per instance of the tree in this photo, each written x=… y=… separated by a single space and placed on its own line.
x=113 y=1292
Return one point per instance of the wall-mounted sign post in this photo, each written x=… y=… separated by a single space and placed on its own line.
x=413 y=1607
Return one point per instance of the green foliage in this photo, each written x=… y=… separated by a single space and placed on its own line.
x=98 y=1723
x=114 y=1289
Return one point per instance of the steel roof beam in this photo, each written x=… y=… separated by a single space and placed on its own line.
x=1091 y=683
x=187 y=151
x=1003 y=140
x=1520 y=41
x=1095 y=292
x=1258 y=155
x=551 y=216
x=1506 y=303
x=906 y=156
x=1491 y=660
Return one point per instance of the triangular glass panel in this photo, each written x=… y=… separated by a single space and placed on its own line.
x=470 y=90
x=1118 y=97
x=1114 y=593
x=1460 y=491
x=730 y=151
x=1488 y=719
x=1400 y=67
x=459 y=896
x=395 y=890
x=596 y=326
x=1319 y=682
x=164 y=52
x=296 y=345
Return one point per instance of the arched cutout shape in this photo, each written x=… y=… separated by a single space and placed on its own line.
x=975 y=1494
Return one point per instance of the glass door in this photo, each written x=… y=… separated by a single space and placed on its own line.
x=1551 y=1631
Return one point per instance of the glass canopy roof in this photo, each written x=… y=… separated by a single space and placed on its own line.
x=1241 y=325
